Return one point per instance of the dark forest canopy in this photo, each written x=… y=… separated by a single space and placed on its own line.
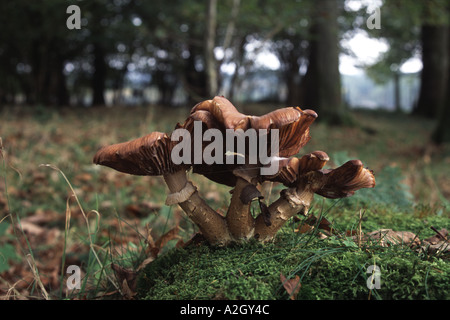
x=188 y=50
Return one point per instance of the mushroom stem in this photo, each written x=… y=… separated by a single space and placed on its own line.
x=292 y=201
x=211 y=224
x=239 y=219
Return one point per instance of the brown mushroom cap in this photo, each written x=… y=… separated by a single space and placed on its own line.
x=294 y=167
x=345 y=180
x=292 y=122
x=330 y=183
x=224 y=112
x=293 y=125
x=147 y=156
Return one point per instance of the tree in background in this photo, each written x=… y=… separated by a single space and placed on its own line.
x=33 y=52
x=441 y=133
x=400 y=28
x=415 y=28
x=434 y=73
x=321 y=86
x=435 y=58
x=412 y=28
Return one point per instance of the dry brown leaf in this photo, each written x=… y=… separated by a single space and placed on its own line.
x=169 y=235
x=154 y=247
x=438 y=237
x=133 y=210
x=31 y=228
x=83 y=177
x=304 y=228
x=145 y=263
x=126 y=277
x=437 y=243
x=128 y=294
x=292 y=285
x=150 y=206
x=387 y=237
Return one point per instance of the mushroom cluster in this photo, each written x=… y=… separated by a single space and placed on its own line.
x=154 y=155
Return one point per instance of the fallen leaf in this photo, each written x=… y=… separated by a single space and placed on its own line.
x=304 y=228
x=437 y=243
x=436 y=248
x=31 y=228
x=438 y=237
x=388 y=237
x=169 y=235
x=292 y=285
x=127 y=279
x=145 y=263
x=128 y=294
x=154 y=247
x=133 y=210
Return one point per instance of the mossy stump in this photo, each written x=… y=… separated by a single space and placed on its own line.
x=326 y=269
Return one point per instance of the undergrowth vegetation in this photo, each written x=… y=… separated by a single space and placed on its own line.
x=58 y=209
x=333 y=268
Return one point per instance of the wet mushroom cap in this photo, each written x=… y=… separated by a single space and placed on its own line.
x=345 y=180
x=224 y=112
x=293 y=167
x=293 y=125
x=219 y=113
x=145 y=156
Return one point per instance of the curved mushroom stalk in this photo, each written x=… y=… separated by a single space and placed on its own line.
x=211 y=224
x=338 y=183
x=239 y=218
x=291 y=202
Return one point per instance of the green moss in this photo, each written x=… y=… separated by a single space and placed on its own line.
x=328 y=269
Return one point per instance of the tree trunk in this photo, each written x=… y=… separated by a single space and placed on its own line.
x=292 y=78
x=99 y=77
x=58 y=95
x=235 y=79
x=441 y=133
x=434 y=72
x=194 y=79
x=210 y=60
x=321 y=86
x=397 y=96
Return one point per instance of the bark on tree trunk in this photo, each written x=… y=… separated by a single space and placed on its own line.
x=99 y=77
x=321 y=86
x=210 y=61
x=441 y=133
x=292 y=77
x=397 y=97
x=434 y=72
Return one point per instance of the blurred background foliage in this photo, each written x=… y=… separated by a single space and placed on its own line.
x=175 y=53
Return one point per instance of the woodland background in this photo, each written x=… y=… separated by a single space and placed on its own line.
x=180 y=52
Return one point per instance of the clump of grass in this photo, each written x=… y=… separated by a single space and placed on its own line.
x=98 y=278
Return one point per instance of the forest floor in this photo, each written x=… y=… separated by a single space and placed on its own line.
x=58 y=209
